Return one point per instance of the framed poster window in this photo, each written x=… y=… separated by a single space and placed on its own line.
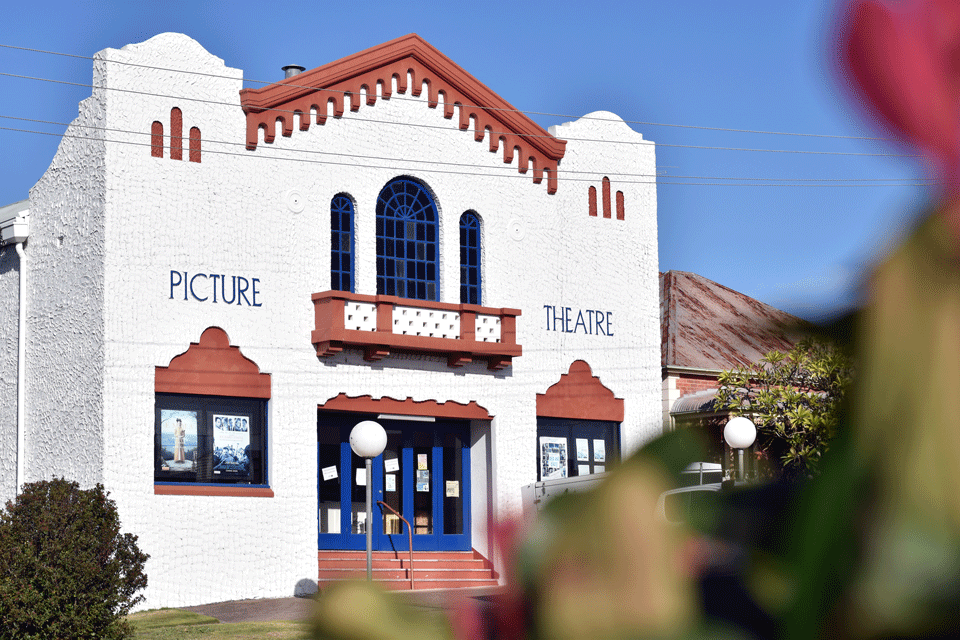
x=210 y=440
x=587 y=446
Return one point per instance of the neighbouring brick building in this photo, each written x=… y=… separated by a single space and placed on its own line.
x=707 y=328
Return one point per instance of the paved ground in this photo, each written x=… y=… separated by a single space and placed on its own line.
x=270 y=609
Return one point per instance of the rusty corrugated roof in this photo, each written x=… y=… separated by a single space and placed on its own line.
x=706 y=325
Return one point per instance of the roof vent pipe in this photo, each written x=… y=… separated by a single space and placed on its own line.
x=291 y=70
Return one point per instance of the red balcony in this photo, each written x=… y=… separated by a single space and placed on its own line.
x=383 y=324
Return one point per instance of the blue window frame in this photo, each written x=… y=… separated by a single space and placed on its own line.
x=470 y=258
x=407 y=251
x=341 y=243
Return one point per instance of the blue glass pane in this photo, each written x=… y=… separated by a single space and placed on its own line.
x=341 y=243
x=470 y=258
x=406 y=241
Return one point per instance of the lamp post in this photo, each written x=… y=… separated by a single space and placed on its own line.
x=368 y=440
x=740 y=433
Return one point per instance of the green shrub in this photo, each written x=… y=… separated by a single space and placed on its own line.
x=66 y=571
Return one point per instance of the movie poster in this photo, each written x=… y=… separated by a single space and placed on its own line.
x=178 y=441
x=553 y=458
x=599 y=451
x=583 y=450
x=231 y=445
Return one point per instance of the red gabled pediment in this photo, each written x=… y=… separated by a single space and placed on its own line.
x=496 y=119
x=211 y=367
x=579 y=395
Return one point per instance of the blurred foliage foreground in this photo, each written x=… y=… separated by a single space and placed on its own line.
x=870 y=546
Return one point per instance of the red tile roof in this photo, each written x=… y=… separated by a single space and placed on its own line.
x=706 y=325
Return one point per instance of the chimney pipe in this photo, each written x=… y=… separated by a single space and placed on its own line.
x=291 y=70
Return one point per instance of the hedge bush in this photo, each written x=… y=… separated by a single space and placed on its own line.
x=66 y=571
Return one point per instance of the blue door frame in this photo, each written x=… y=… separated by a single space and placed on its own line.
x=348 y=465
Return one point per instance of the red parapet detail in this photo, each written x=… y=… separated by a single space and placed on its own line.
x=407 y=407
x=606 y=197
x=579 y=395
x=176 y=134
x=211 y=367
x=156 y=139
x=393 y=61
x=455 y=360
x=331 y=334
x=194 y=144
x=375 y=353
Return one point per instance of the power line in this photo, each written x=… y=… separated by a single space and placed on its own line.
x=491 y=133
x=502 y=167
x=520 y=111
x=784 y=183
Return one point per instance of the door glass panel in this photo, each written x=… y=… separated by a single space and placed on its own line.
x=452 y=484
x=423 y=477
x=393 y=483
x=329 y=489
x=358 y=494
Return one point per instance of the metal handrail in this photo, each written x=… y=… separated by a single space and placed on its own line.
x=409 y=535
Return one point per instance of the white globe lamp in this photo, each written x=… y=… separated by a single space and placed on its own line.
x=368 y=440
x=740 y=433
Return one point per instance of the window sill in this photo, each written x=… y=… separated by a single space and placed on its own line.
x=207 y=490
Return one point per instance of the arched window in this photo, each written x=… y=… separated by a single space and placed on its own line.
x=407 y=241
x=341 y=243
x=470 y=258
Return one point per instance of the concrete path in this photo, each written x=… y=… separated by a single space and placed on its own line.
x=272 y=609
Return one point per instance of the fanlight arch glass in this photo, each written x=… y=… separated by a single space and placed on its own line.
x=407 y=237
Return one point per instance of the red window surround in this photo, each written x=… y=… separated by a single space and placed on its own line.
x=379 y=338
x=212 y=367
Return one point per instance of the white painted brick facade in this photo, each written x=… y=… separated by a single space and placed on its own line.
x=109 y=223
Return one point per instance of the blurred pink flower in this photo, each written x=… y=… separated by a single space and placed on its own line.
x=903 y=65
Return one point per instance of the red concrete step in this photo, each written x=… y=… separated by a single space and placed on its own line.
x=403 y=574
x=361 y=563
x=432 y=569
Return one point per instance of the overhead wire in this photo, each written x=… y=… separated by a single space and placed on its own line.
x=512 y=175
x=503 y=167
x=490 y=133
x=469 y=106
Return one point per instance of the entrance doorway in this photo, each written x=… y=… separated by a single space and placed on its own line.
x=424 y=474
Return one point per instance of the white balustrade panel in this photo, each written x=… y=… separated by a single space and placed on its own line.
x=488 y=328
x=360 y=316
x=431 y=323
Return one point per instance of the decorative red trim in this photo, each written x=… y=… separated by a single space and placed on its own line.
x=492 y=116
x=194 y=144
x=408 y=407
x=620 y=208
x=176 y=134
x=330 y=335
x=579 y=395
x=156 y=139
x=592 y=197
x=211 y=367
x=237 y=491
x=606 y=197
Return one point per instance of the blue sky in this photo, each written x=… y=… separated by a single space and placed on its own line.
x=760 y=66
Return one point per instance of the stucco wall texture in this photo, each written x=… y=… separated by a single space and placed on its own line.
x=110 y=222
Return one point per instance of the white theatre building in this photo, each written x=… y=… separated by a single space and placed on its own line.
x=210 y=286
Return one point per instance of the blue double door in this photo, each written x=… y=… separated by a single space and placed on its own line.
x=423 y=475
